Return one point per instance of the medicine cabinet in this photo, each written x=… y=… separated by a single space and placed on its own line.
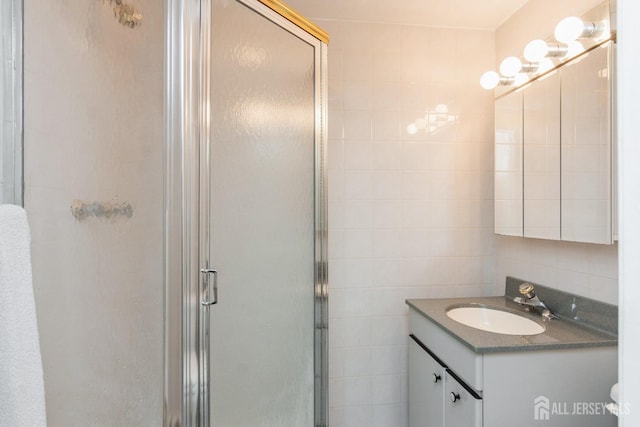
x=554 y=154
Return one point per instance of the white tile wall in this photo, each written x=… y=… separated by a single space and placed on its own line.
x=410 y=214
x=584 y=269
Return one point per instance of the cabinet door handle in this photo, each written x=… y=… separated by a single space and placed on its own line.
x=436 y=377
x=455 y=397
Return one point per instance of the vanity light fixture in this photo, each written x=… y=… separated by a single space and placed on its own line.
x=520 y=79
x=575 y=48
x=529 y=67
x=537 y=50
x=545 y=65
x=510 y=66
x=491 y=79
x=573 y=28
x=541 y=56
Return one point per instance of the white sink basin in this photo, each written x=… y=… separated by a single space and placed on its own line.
x=495 y=320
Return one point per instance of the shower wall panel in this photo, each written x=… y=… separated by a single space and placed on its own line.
x=11 y=102
x=93 y=174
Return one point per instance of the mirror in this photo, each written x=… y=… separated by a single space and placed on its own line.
x=508 y=165
x=554 y=151
x=541 y=142
x=586 y=148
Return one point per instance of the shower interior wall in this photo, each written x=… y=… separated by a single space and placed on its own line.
x=93 y=92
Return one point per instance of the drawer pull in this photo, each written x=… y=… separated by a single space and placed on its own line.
x=454 y=397
x=436 y=377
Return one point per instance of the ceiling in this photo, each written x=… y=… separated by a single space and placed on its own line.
x=479 y=14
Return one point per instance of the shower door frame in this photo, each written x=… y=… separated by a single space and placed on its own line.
x=12 y=111
x=187 y=148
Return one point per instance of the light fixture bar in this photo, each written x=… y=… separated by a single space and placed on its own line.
x=572 y=28
x=538 y=49
x=529 y=67
x=573 y=38
x=491 y=79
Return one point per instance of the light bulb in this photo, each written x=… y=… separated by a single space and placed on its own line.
x=569 y=29
x=520 y=79
x=535 y=50
x=510 y=66
x=575 y=49
x=489 y=80
x=545 y=65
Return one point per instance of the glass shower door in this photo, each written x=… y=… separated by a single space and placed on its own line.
x=262 y=221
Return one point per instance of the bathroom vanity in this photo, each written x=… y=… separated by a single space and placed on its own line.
x=461 y=376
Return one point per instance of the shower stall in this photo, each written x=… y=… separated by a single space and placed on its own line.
x=173 y=174
x=250 y=117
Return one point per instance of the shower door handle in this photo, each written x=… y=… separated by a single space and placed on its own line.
x=207 y=300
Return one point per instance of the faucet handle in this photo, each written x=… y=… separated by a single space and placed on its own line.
x=526 y=289
x=548 y=315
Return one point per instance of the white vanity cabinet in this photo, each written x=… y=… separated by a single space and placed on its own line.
x=452 y=400
x=426 y=388
x=437 y=397
x=505 y=388
x=462 y=405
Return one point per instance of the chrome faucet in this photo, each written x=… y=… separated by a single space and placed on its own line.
x=530 y=300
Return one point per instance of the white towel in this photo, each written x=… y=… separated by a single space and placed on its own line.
x=21 y=380
x=615 y=392
x=614 y=408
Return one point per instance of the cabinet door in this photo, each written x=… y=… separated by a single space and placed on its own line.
x=426 y=388
x=508 y=165
x=541 y=152
x=586 y=148
x=461 y=407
